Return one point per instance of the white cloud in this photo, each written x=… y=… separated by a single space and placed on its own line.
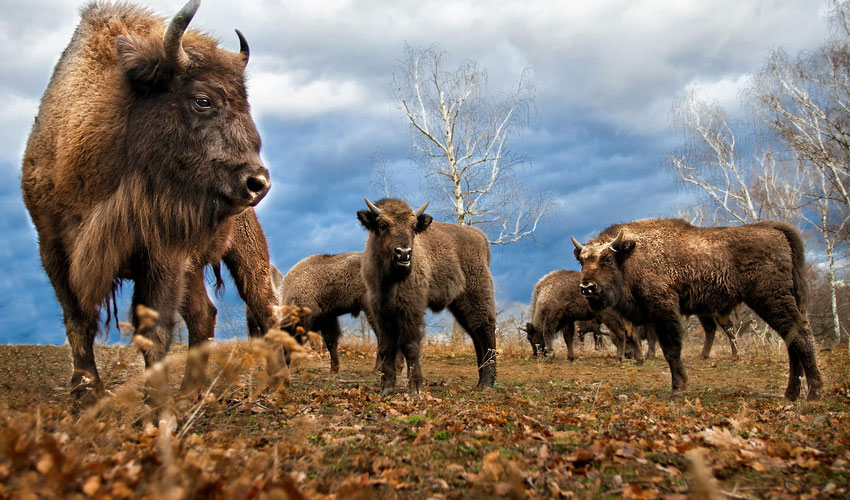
x=295 y=96
x=16 y=117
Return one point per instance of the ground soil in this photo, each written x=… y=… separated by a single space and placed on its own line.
x=593 y=428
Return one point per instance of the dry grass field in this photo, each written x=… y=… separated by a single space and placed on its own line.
x=593 y=428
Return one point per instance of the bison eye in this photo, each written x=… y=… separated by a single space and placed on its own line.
x=609 y=259
x=203 y=103
x=383 y=226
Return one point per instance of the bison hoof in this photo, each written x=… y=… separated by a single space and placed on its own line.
x=814 y=393
x=85 y=395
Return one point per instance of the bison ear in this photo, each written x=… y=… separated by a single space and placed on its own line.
x=624 y=249
x=577 y=254
x=367 y=218
x=423 y=222
x=144 y=63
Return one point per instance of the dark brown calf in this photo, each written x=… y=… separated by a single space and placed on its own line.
x=411 y=264
x=654 y=271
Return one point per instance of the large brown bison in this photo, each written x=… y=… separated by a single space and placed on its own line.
x=411 y=264
x=556 y=304
x=329 y=286
x=654 y=271
x=141 y=156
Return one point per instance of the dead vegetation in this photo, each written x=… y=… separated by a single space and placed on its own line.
x=588 y=429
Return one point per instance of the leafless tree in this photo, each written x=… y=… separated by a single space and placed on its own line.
x=461 y=139
x=806 y=102
x=741 y=182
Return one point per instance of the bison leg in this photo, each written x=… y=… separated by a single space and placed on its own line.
x=597 y=340
x=330 y=336
x=247 y=259
x=651 y=340
x=81 y=327
x=411 y=347
x=477 y=316
x=387 y=334
x=710 y=327
x=569 y=339
x=726 y=323
x=783 y=315
x=159 y=288
x=199 y=314
x=669 y=333
x=86 y=386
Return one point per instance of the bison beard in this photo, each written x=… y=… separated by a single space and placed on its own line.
x=556 y=305
x=411 y=264
x=142 y=153
x=656 y=270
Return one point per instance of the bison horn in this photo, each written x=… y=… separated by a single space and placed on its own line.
x=421 y=210
x=173 y=38
x=578 y=245
x=375 y=210
x=244 y=51
x=616 y=241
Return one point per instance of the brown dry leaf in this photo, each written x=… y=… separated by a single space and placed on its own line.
x=45 y=463
x=635 y=492
x=722 y=437
x=424 y=431
x=91 y=485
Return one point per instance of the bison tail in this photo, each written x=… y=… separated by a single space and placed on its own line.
x=798 y=272
x=219 y=282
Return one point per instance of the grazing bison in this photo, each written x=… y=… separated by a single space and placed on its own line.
x=411 y=264
x=654 y=271
x=330 y=286
x=556 y=304
x=593 y=327
x=141 y=157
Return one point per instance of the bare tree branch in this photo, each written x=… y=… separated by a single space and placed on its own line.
x=466 y=157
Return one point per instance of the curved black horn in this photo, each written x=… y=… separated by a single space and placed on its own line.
x=616 y=241
x=173 y=38
x=243 y=48
x=375 y=210
x=421 y=210
x=578 y=245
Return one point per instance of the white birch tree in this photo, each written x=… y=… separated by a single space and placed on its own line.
x=462 y=141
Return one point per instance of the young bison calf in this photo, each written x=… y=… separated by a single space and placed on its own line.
x=656 y=270
x=411 y=264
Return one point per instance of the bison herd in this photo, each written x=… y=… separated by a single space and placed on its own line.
x=143 y=164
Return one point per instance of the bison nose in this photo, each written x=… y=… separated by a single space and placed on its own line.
x=257 y=185
x=588 y=289
x=403 y=253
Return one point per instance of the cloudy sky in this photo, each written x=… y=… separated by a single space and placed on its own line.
x=606 y=72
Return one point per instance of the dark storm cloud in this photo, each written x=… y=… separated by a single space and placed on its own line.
x=606 y=75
